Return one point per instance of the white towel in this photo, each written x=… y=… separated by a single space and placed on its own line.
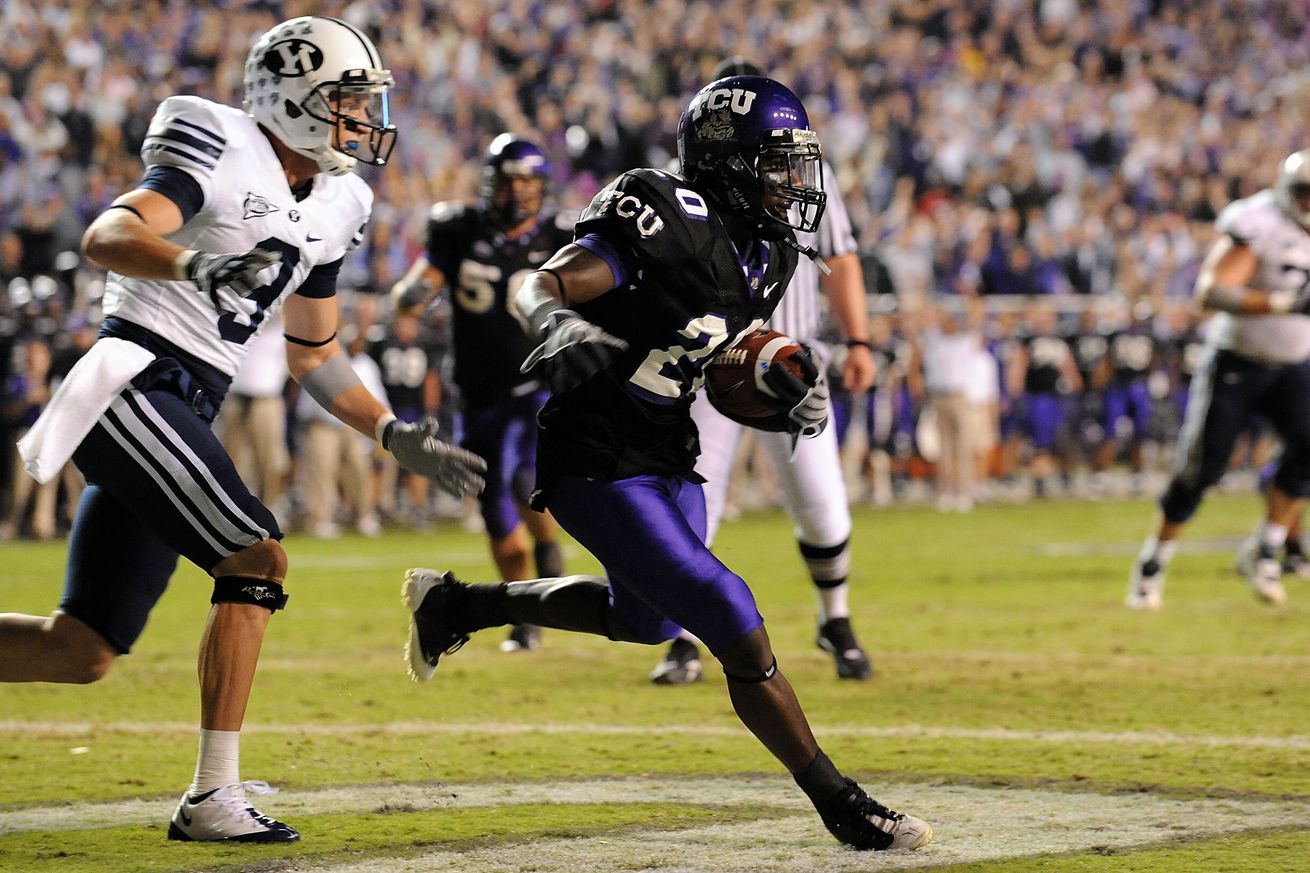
x=82 y=398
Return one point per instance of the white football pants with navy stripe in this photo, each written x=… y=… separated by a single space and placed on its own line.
x=813 y=488
x=161 y=485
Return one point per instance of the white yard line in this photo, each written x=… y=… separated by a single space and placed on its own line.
x=971 y=824
x=1299 y=742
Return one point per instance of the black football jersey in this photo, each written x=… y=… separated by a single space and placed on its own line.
x=1185 y=353
x=405 y=367
x=1131 y=353
x=483 y=269
x=684 y=294
x=1089 y=350
x=1046 y=357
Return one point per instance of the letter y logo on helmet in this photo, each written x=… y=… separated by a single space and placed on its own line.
x=318 y=85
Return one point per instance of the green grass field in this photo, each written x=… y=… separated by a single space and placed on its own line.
x=1017 y=705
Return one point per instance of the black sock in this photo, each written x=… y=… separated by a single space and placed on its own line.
x=549 y=559
x=820 y=780
x=484 y=606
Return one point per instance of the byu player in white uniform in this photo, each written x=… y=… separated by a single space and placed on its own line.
x=1256 y=278
x=814 y=491
x=240 y=214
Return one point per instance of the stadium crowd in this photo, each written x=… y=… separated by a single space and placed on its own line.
x=1077 y=151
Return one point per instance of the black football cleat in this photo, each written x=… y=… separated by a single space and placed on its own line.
x=522 y=638
x=837 y=639
x=433 y=600
x=858 y=820
x=681 y=665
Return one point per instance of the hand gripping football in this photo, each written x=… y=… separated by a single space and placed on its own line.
x=734 y=379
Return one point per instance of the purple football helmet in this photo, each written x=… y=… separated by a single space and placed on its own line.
x=746 y=140
x=509 y=158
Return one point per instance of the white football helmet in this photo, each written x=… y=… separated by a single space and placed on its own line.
x=1292 y=188
x=318 y=85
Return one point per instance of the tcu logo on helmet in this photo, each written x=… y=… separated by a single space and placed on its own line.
x=739 y=100
x=293 y=57
x=713 y=114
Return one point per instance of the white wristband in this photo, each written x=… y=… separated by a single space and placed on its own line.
x=182 y=263
x=381 y=426
x=1281 y=302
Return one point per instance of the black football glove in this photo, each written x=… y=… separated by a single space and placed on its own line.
x=235 y=270
x=805 y=399
x=417 y=449
x=573 y=351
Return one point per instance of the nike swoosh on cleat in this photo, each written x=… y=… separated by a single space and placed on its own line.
x=311 y=238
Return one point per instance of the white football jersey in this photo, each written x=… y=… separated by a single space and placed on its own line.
x=799 y=310
x=1282 y=248
x=247 y=204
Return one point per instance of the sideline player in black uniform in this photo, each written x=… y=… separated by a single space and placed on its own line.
x=484 y=252
x=666 y=271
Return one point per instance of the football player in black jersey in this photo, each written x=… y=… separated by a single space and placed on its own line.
x=664 y=272
x=483 y=252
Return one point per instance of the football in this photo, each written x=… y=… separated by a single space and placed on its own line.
x=734 y=379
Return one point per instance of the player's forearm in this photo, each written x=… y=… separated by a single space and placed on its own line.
x=1246 y=301
x=846 y=297
x=540 y=294
x=358 y=408
x=574 y=275
x=120 y=241
x=327 y=376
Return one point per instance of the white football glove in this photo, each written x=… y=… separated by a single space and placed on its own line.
x=806 y=400
x=417 y=449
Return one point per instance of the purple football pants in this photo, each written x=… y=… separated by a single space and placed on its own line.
x=648 y=532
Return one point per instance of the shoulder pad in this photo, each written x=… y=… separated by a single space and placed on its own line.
x=646 y=202
x=189 y=133
x=1248 y=218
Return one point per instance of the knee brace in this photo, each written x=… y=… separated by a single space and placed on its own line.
x=248 y=589
x=755 y=678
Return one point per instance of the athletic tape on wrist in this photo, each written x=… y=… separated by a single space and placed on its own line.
x=380 y=429
x=182 y=264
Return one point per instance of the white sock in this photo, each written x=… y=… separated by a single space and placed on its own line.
x=1161 y=550
x=832 y=602
x=217 y=762
x=1273 y=535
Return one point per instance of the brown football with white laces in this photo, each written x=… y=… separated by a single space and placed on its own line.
x=734 y=379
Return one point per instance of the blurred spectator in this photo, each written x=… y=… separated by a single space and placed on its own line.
x=253 y=421
x=26 y=393
x=337 y=458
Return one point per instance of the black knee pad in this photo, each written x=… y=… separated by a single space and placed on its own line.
x=247 y=589
x=1179 y=501
x=755 y=679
